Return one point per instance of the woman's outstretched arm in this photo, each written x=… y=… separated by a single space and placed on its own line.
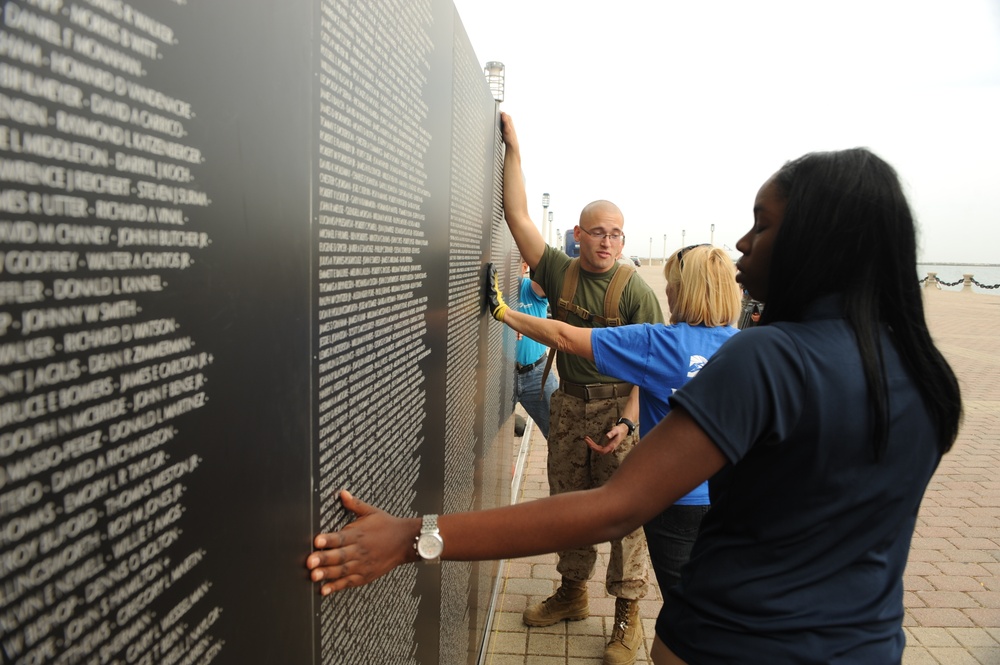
x=558 y=335
x=668 y=463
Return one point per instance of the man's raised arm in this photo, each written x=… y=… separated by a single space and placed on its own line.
x=515 y=200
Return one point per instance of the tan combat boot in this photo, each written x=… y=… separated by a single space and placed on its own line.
x=626 y=635
x=569 y=602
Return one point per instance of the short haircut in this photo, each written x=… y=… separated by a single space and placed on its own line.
x=704 y=282
x=600 y=207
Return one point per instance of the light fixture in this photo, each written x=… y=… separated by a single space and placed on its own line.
x=494 y=76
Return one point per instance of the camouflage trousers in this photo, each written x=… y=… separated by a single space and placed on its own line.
x=572 y=465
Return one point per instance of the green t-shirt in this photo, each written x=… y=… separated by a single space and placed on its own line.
x=638 y=304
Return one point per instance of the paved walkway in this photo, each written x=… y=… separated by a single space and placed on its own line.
x=953 y=577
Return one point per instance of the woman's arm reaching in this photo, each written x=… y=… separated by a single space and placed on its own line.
x=668 y=463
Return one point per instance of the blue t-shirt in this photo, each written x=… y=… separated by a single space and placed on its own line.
x=528 y=350
x=659 y=359
x=801 y=558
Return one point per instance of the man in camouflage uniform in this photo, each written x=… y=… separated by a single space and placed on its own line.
x=593 y=416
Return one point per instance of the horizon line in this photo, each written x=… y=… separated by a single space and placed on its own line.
x=953 y=263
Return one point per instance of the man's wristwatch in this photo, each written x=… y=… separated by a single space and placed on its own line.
x=429 y=543
x=628 y=423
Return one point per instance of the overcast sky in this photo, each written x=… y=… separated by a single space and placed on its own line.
x=679 y=110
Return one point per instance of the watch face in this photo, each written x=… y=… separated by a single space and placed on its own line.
x=430 y=546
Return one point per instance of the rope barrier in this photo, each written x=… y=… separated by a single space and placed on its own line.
x=941 y=282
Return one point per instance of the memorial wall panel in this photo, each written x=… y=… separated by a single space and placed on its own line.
x=241 y=264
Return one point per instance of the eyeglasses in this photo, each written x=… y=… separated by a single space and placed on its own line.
x=613 y=237
x=680 y=254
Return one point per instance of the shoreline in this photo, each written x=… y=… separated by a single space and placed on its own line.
x=950 y=263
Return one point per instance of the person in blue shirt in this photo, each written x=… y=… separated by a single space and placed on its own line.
x=820 y=429
x=531 y=356
x=704 y=301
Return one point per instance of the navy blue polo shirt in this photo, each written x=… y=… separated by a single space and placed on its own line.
x=801 y=558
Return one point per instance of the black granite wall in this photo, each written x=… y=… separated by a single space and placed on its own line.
x=241 y=257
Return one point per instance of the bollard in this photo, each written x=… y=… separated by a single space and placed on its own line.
x=931 y=281
x=967 y=283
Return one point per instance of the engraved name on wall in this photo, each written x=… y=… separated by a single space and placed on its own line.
x=101 y=217
x=372 y=329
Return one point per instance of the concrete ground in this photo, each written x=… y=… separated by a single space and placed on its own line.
x=953 y=577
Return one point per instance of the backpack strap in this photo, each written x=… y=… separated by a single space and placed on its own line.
x=612 y=299
x=565 y=303
x=613 y=296
x=561 y=311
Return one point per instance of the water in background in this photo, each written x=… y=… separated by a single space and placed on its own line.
x=984 y=274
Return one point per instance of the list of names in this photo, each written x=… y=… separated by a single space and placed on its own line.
x=102 y=217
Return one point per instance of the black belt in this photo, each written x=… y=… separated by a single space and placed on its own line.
x=589 y=391
x=524 y=369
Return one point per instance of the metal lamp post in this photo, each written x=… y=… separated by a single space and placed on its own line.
x=545 y=215
x=551 y=215
x=711 y=238
x=664 y=249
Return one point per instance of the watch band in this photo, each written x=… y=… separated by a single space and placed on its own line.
x=429 y=543
x=628 y=423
